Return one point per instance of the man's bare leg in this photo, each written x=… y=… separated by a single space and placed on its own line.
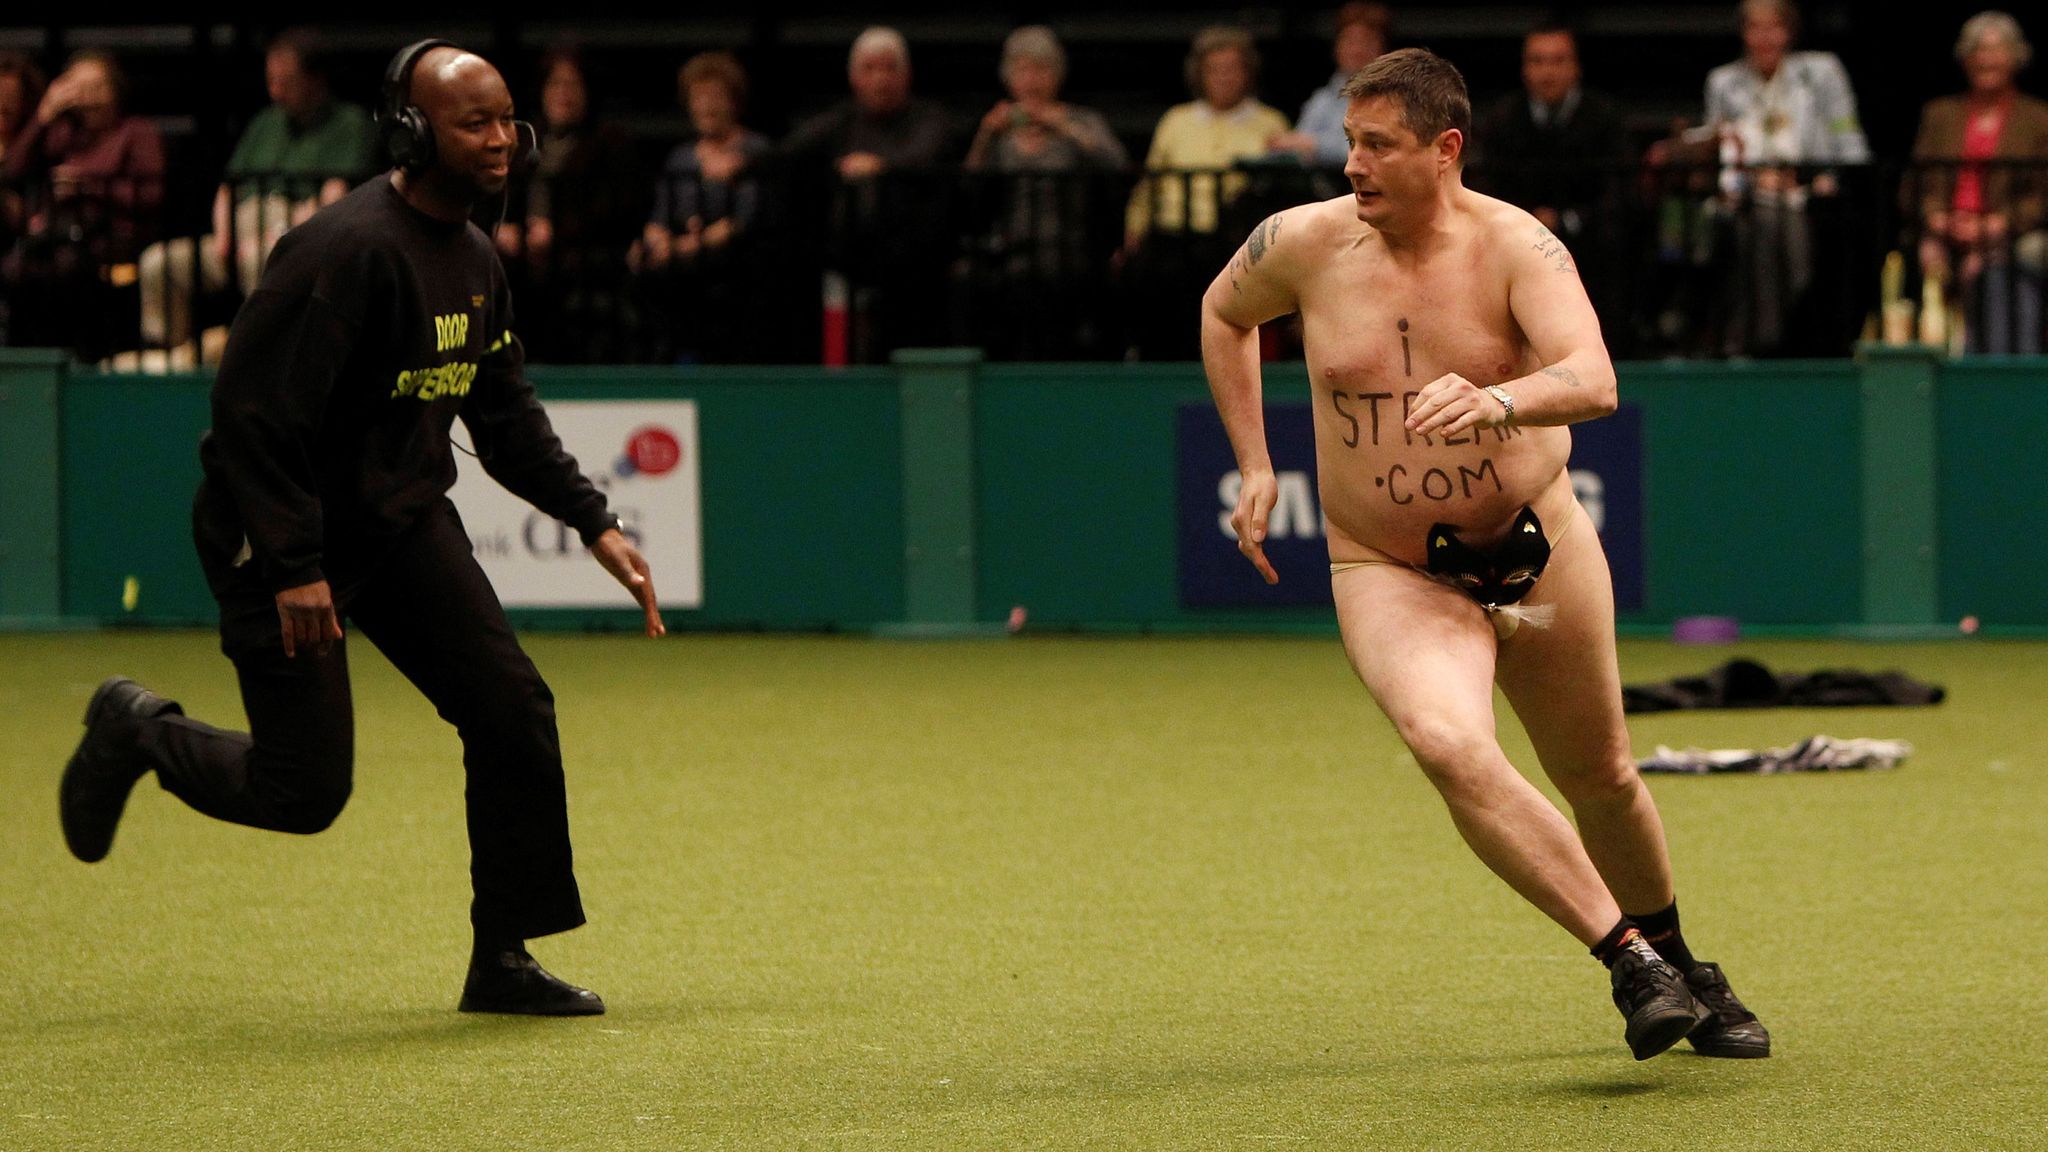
x=1565 y=683
x=1426 y=653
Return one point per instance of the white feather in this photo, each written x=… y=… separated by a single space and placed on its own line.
x=1534 y=615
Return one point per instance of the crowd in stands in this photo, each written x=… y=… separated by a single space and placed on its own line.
x=1755 y=228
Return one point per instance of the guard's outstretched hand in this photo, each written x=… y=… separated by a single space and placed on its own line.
x=629 y=568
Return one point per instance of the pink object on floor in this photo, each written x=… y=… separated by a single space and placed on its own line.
x=1706 y=630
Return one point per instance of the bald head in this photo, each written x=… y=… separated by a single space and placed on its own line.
x=448 y=79
x=878 y=71
x=469 y=107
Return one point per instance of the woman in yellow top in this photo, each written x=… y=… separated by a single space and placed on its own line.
x=1224 y=124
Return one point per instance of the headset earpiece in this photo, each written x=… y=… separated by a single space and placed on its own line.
x=410 y=139
x=408 y=135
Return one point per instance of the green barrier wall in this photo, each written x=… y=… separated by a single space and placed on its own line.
x=1075 y=482
x=1751 y=492
x=30 y=486
x=1993 y=554
x=935 y=495
x=131 y=464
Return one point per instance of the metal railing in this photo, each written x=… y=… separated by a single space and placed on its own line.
x=1981 y=230
x=64 y=242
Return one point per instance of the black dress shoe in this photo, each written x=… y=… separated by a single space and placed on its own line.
x=106 y=766
x=511 y=981
x=1731 y=1030
x=1656 y=1001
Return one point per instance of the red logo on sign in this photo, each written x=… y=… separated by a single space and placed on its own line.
x=654 y=451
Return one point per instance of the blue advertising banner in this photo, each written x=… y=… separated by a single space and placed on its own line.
x=1607 y=474
x=1213 y=573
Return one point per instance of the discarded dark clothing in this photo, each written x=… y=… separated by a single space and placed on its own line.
x=1814 y=754
x=1748 y=684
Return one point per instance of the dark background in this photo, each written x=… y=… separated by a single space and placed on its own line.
x=201 y=74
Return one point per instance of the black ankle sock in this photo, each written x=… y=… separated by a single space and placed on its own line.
x=1618 y=938
x=489 y=947
x=1661 y=930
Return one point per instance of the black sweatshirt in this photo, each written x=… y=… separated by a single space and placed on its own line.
x=374 y=326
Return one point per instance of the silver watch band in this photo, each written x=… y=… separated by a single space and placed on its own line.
x=1507 y=401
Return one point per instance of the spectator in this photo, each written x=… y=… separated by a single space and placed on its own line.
x=1556 y=149
x=571 y=195
x=706 y=207
x=1982 y=225
x=1775 y=110
x=1033 y=130
x=1784 y=107
x=881 y=125
x=1551 y=148
x=1033 y=274
x=95 y=181
x=891 y=239
x=21 y=89
x=1173 y=230
x=1224 y=124
x=705 y=198
x=304 y=150
x=1318 y=137
x=567 y=219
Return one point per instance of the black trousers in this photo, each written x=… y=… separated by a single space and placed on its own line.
x=429 y=608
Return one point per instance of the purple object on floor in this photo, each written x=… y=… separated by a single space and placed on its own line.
x=1706 y=630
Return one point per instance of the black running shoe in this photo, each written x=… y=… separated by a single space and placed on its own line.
x=1729 y=1030
x=513 y=982
x=1654 y=997
x=106 y=765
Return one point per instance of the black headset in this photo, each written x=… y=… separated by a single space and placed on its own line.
x=409 y=136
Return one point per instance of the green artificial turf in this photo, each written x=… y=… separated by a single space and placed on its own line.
x=1035 y=893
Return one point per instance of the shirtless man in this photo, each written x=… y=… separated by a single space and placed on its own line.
x=1449 y=342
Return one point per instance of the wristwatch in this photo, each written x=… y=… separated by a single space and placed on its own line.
x=1506 y=401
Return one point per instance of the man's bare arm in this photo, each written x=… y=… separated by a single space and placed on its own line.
x=1255 y=287
x=1549 y=304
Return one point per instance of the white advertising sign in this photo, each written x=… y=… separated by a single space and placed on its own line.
x=643 y=456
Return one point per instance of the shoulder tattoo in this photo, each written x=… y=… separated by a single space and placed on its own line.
x=1552 y=249
x=1261 y=239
